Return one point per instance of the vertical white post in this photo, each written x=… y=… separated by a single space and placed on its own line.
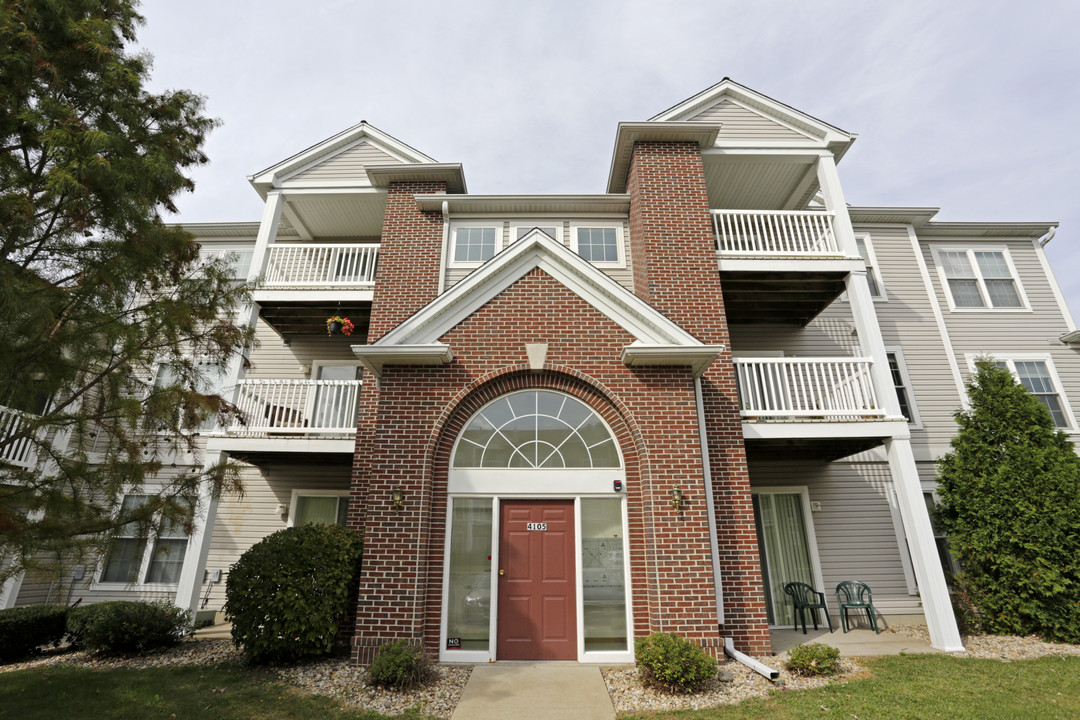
x=858 y=290
x=933 y=592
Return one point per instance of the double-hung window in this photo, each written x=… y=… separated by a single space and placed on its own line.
x=134 y=559
x=979 y=278
x=600 y=243
x=902 y=383
x=1038 y=375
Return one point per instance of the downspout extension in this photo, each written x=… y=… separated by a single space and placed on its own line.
x=760 y=668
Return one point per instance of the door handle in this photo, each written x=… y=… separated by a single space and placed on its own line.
x=502 y=572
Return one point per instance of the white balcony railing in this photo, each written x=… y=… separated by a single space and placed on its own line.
x=768 y=233
x=19 y=453
x=826 y=388
x=296 y=407
x=320 y=265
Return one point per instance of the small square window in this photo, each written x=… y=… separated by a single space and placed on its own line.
x=327 y=509
x=600 y=244
x=474 y=244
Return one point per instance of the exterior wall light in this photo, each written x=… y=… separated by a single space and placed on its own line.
x=397 y=499
x=677 y=499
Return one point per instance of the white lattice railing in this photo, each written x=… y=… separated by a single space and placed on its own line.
x=317 y=265
x=19 y=453
x=296 y=406
x=806 y=387
x=774 y=232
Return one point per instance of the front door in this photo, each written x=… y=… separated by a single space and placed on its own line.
x=537 y=603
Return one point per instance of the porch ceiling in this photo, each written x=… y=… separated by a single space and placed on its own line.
x=304 y=318
x=742 y=182
x=790 y=298
x=809 y=448
x=337 y=214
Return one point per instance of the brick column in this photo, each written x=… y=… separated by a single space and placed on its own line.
x=672 y=238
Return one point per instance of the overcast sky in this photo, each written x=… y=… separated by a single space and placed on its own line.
x=968 y=105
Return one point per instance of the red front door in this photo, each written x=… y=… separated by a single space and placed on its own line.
x=537 y=601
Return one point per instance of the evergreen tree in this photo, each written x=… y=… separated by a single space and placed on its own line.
x=1010 y=491
x=96 y=292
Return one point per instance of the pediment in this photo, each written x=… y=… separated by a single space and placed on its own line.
x=657 y=340
x=339 y=161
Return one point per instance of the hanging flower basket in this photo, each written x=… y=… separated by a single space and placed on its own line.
x=337 y=325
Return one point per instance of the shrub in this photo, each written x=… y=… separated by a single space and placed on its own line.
x=287 y=595
x=813 y=659
x=24 y=629
x=115 y=628
x=669 y=662
x=401 y=665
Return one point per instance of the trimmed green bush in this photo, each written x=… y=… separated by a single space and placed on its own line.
x=287 y=595
x=24 y=629
x=813 y=659
x=668 y=662
x=122 y=627
x=401 y=665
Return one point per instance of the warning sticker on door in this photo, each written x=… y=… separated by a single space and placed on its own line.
x=535 y=526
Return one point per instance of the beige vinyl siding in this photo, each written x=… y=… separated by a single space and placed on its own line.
x=243 y=521
x=1019 y=333
x=827 y=335
x=273 y=359
x=856 y=539
x=346 y=165
x=622 y=275
x=739 y=123
x=907 y=320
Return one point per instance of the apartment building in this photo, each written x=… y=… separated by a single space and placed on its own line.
x=565 y=421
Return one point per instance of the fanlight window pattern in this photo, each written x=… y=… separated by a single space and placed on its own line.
x=536 y=429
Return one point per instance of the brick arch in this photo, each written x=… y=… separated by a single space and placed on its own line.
x=624 y=427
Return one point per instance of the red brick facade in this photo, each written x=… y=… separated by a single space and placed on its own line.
x=408 y=425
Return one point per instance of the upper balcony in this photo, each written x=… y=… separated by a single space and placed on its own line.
x=291 y=416
x=810 y=407
x=19 y=453
x=304 y=283
x=779 y=266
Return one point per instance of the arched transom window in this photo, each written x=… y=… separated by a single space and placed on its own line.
x=536 y=429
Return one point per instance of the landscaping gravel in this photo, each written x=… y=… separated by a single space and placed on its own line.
x=340 y=679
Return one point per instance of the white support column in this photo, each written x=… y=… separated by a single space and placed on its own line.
x=189 y=589
x=10 y=590
x=933 y=592
x=858 y=290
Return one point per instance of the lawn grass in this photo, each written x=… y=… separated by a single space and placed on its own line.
x=213 y=692
x=925 y=687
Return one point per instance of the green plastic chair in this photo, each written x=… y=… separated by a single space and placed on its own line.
x=806 y=598
x=854 y=595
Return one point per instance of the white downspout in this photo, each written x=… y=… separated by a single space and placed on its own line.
x=445 y=245
x=729 y=645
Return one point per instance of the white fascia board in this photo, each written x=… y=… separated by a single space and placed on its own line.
x=703 y=133
x=375 y=357
x=280 y=444
x=451 y=173
x=782 y=263
x=697 y=358
x=876 y=215
x=312 y=295
x=988 y=229
x=825 y=429
x=537 y=250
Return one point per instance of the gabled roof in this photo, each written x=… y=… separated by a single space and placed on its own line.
x=386 y=145
x=657 y=340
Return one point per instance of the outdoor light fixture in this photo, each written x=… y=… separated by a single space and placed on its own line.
x=676 y=499
x=397 y=498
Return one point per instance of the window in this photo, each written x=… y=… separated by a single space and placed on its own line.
x=1037 y=374
x=519 y=229
x=325 y=507
x=902 y=383
x=873 y=279
x=475 y=243
x=599 y=243
x=240 y=262
x=979 y=279
x=133 y=559
x=211 y=381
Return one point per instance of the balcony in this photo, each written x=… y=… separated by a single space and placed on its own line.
x=304 y=283
x=291 y=416
x=778 y=266
x=822 y=408
x=19 y=453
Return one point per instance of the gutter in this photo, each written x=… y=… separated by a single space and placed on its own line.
x=1045 y=239
x=729 y=645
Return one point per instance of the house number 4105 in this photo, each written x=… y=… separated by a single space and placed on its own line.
x=536 y=526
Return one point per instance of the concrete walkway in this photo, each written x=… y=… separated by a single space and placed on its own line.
x=535 y=691
x=854 y=642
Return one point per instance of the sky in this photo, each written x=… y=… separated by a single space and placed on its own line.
x=972 y=106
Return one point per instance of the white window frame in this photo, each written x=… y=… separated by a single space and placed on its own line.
x=980 y=283
x=620 y=240
x=500 y=240
x=298 y=493
x=150 y=543
x=928 y=488
x=915 y=421
x=558 y=224
x=1010 y=359
x=872 y=267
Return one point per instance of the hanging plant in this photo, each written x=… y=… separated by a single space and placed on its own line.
x=337 y=325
